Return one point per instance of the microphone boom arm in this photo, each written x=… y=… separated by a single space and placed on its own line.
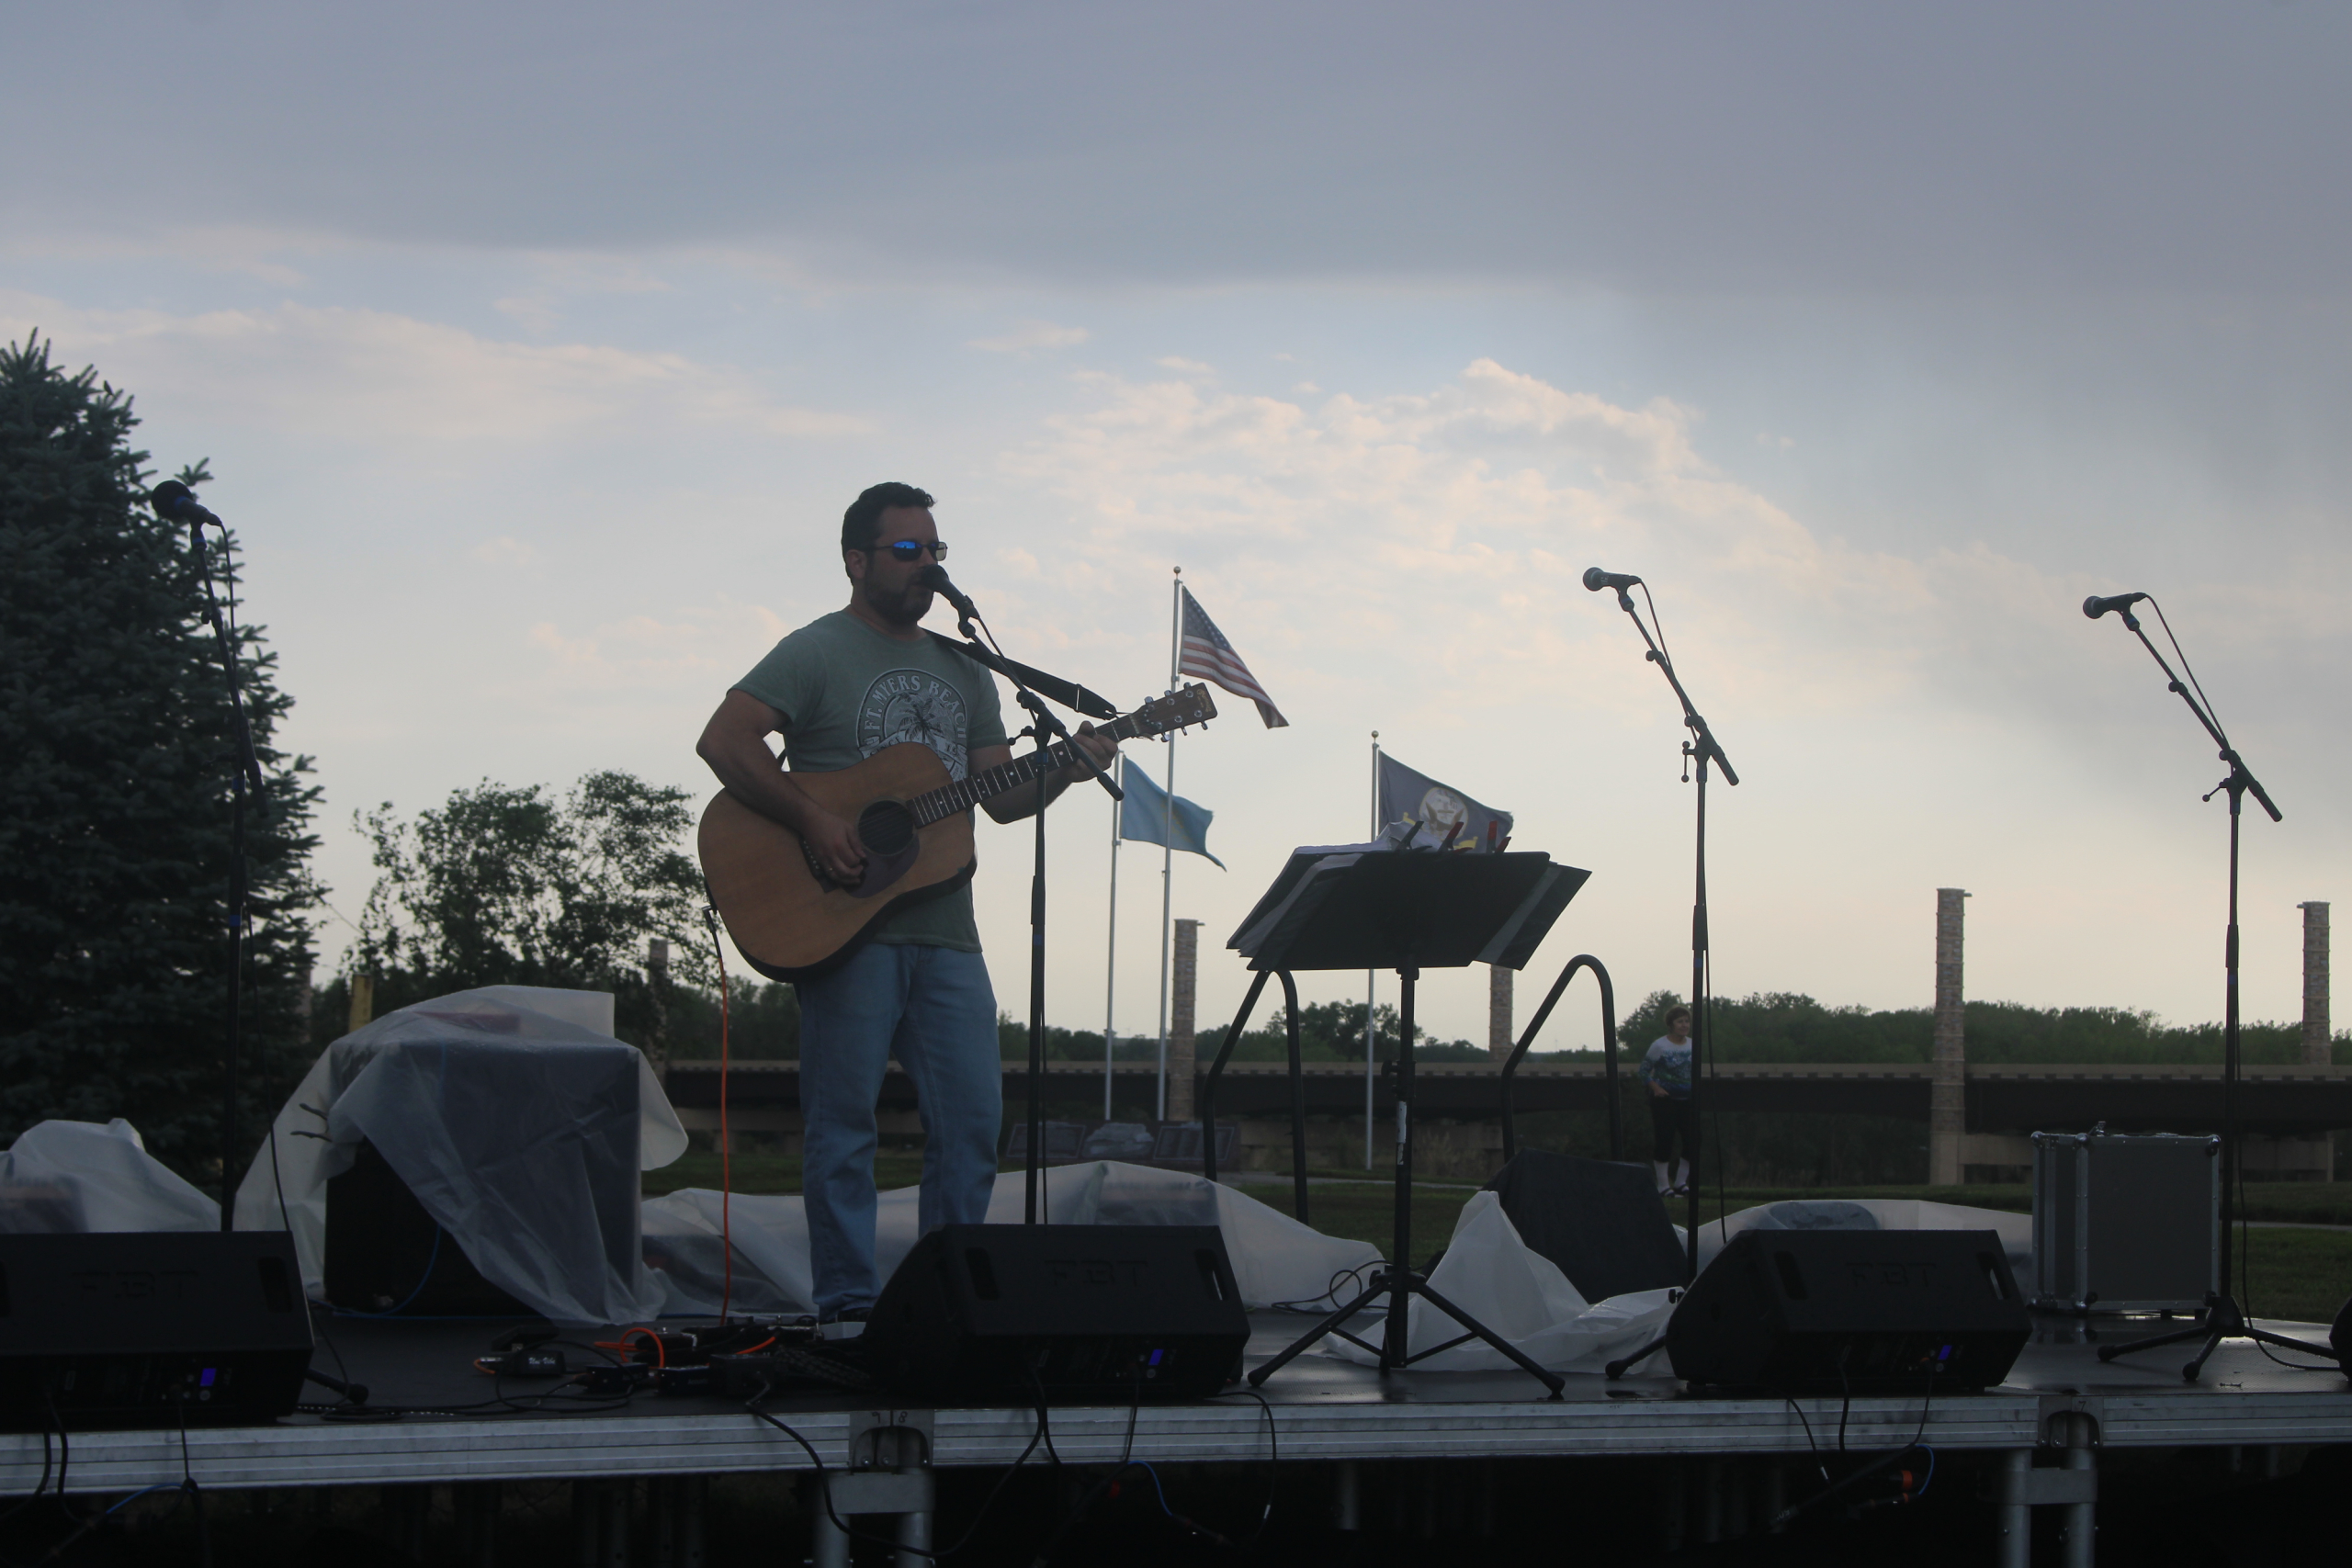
x=1704 y=743
x=2240 y=775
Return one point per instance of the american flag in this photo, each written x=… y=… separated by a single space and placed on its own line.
x=1205 y=653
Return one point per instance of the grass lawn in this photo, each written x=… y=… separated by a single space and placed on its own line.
x=2304 y=1275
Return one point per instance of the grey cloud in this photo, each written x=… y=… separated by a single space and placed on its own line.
x=1799 y=147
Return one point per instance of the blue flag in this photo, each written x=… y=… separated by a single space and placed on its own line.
x=1144 y=817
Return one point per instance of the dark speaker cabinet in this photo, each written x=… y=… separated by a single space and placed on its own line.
x=1026 y=1314
x=1833 y=1312
x=149 y=1329
x=386 y=1257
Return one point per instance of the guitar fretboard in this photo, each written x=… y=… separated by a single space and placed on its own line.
x=966 y=792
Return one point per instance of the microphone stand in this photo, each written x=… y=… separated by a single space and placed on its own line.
x=1043 y=729
x=1701 y=748
x=2224 y=1319
x=244 y=777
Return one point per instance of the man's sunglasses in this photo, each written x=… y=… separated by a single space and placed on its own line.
x=912 y=549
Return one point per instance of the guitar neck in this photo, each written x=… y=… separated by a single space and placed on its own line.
x=968 y=793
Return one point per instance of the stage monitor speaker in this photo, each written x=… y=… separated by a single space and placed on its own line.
x=149 y=1327
x=1602 y=1221
x=1020 y=1314
x=386 y=1257
x=1832 y=1312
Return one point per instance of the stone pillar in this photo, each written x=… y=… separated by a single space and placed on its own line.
x=1948 y=1092
x=2318 y=1046
x=657 y=980
x=363 y=1002
x=1498 y=1034
x=1180 y=1022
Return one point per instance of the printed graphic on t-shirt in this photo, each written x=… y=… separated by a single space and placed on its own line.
x=913 y=704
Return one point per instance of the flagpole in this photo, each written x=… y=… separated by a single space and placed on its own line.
x=1371 y=1040
x=1168 y=838
x=1111 y=962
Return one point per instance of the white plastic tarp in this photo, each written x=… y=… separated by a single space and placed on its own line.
x=1522 y=1295
x=1275 y=1258
x=517 y=1121
x=78 y=1175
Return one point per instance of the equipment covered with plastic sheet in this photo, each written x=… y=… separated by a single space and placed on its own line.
x=1490 y=1273
x=68 y=1178
x=1276 y=1260
x=518 y=1122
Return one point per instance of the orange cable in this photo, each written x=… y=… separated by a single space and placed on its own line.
x=726 y=1140
x=661 y=1356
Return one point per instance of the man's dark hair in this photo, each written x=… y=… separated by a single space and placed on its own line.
x=865 y=513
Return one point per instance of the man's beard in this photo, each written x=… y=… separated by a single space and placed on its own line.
x=904 y=608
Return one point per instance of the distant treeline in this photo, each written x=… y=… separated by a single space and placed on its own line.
x=1775 y=1026
x=1779 y=1026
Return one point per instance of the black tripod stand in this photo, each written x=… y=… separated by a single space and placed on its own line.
x=1703 y=749
x=1404 y=912
x=2224 y=1319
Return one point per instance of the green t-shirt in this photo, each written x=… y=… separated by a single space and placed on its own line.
x=846 y=692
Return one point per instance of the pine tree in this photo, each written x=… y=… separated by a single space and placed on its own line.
x=116 y=760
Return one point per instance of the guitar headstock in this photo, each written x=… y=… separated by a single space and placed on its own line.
x=1176 y=710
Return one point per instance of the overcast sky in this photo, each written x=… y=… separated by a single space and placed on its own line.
x=536 y=350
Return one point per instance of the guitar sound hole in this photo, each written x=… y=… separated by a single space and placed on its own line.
x=884 y=827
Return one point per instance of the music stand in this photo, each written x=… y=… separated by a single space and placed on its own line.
x=1406 y=910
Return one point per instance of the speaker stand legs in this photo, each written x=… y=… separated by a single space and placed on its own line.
x=2223 y=1320
x=1617 y=1369
x=1400 y=1285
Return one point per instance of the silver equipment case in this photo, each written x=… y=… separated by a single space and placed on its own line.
x=2126 y=1222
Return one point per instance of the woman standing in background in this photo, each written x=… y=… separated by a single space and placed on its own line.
x=1665 y=1068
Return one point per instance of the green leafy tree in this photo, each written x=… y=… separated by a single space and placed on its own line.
x=116 y=760
x=500 y=886
x=762 y=1020
x=1333 y=1031
x=1061 y=1045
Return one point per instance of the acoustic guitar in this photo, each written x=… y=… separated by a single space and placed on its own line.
x=791 y=920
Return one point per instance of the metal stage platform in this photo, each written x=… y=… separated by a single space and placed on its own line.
x=1323 y=1409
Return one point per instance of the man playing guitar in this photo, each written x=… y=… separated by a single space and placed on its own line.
x=839 y=690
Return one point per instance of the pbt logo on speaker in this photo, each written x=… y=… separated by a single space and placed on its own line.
x=1095 y=1270
x=136 y=1285
x=1893 y=1272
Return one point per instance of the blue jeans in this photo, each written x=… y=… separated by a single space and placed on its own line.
x=932 y=1008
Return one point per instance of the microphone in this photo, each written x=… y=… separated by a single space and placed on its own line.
x=1596 y=580
x=174 y=502
x=935 y=577
x=2096 y=606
